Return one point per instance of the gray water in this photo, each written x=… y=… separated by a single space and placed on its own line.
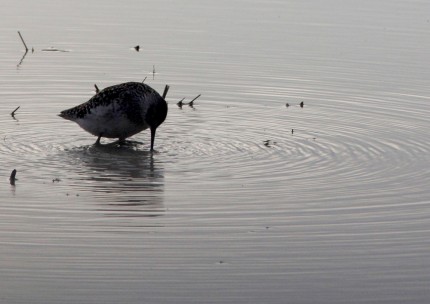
x=233 y=207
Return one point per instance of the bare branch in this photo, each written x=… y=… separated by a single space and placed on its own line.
x=22 y=39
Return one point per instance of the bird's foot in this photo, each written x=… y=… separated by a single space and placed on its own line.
x=97 y=143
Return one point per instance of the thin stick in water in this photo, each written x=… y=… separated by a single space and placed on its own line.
x=165 y=91
x=180 y=103
x=13 y=112
x=144 y=79
x=22 y=39
x=97 y=88
x=191 y=103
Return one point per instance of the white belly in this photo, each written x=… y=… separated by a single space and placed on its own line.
x=109 y=123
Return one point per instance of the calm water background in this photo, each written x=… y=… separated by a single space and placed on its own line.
x=233 y=207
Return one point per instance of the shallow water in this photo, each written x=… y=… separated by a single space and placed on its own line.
x=233 y=207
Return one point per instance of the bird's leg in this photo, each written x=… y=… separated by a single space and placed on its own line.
x=98 y=139
x=152 y=138
x=121 y=141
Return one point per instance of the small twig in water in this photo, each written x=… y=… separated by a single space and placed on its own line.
x=22 y=39
x=12 y=177
x=166 y=89
x=97 y=88
x=52 y=49
x=153 y=72
x=13 y=112
x=144 y=79
x=180 y=103
x=26 y=50
x=191 y=103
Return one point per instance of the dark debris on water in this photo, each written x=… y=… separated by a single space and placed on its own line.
x=181 y=102
x=269 y=143
x=301 y=104
x=12 y=177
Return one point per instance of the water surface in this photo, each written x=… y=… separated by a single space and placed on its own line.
x=246 y=200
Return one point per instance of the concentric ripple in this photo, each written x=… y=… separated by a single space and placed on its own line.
x=343 y=144
x=246 y=199
x=352 y=148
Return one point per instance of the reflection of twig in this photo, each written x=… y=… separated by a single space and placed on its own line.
x=13 y=112
x=22 y=59
x=22 y=39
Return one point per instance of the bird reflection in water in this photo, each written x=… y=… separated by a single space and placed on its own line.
x=121 y=180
